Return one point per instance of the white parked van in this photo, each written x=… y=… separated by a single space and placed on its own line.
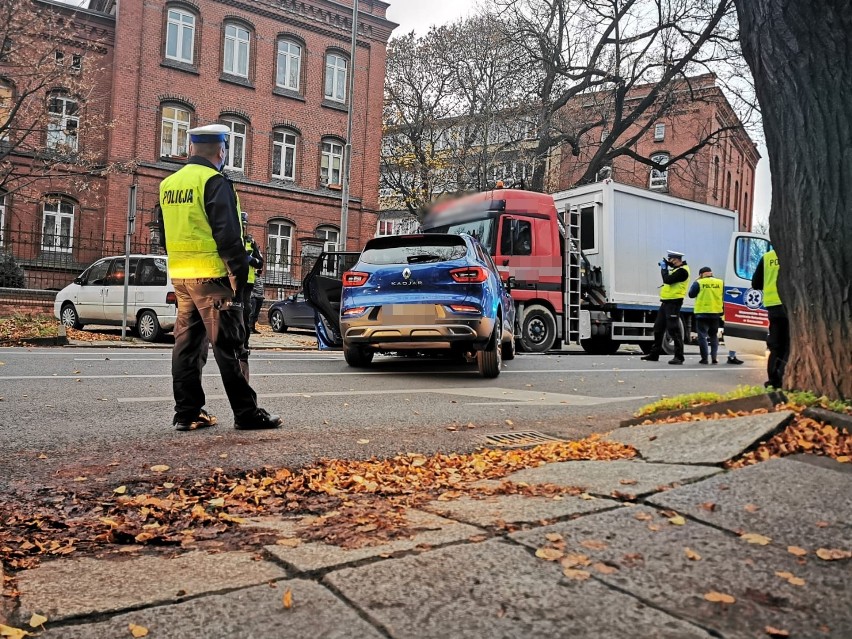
x=97 y=296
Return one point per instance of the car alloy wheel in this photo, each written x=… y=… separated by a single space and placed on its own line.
x=276 y=320
x=148 y=326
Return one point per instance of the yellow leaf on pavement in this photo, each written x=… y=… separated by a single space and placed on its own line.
x=719 y=597
x=593 y=544
x=159 y=468
x=168 y=484
x=776 y=632
x=549 y=554
x=691 y=554
x=287 y=599
x=137 y=631
x=754 y=538
x=795 y=550
x=833 y=554
x=13 y=633
x=573 y=573
x=677 y=520
x=120 y=490
x=604 y=569
x=554 y=537
x=363 y=441
x=574 y=559
x=218 y=502
x=288 y=542
x=37 y=620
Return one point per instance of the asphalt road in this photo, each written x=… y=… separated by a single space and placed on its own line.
x=105 y=414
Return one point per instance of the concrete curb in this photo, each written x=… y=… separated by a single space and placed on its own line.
x=829 y=417
x=768 y=401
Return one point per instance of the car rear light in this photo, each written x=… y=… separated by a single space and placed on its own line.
x=171 y=298
x=469 y=274
x=463 y=308
x=354 y=311
x=355 y=278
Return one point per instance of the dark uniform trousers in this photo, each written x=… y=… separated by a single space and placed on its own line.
x=707 y=327
x=668 y=319
x=245 y=294
x=207 y=313
x=778 y=342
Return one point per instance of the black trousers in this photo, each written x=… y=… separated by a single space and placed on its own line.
x=778 y=342
x=256 y=305
x=707 y=327
x=208 y=314
x=668 y=319
x=246 y=295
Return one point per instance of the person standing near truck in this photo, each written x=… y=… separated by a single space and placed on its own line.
x=765 y=279
x=707 y=292
x=675 y=274
x=257 y=296
x=255 y=260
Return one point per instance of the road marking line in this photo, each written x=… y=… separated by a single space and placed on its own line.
x=257 y=358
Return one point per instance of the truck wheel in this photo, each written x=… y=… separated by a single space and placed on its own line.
x=668 y=341
x=600 y=346
x=490 y=358
x=538 y=329
x=357 y=357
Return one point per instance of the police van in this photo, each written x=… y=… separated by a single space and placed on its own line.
x=96 y=296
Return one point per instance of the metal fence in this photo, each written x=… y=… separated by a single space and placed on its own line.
x=50 y=263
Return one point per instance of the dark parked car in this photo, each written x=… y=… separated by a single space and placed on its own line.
x=292 y=312
x=418 y=293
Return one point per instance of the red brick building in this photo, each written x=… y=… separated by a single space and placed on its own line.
x=720 y=173
x=276 y=74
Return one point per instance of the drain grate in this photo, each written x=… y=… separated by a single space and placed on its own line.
x=519 y=440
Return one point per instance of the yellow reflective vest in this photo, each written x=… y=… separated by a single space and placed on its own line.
x=770 y=279
x=251 y=275
x=676 y=291
x=709 y=300
x=189 y=239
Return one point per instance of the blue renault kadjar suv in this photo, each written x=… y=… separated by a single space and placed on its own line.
x=421 y=293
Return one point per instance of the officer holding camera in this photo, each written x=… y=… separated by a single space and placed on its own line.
x=675 y=273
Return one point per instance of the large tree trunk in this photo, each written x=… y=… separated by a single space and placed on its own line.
x=800 y=53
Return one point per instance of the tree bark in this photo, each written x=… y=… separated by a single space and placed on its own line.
x=800 y=53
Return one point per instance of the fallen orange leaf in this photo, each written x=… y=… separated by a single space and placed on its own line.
x=776 y=632
x=578 y=575
x=593 y=544
x=833 y=554
x=287 y=599
x=691 y=554
x=549 y=554
x=795 y=550
x=754 y=538
x=137 y=631
x=604 y=569
x=719 y=597
x=677 y=520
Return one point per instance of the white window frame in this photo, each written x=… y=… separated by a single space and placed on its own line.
x=279 y=240
x=330 y=236
x=288 y=64
x=385 y=227
x=178 y=124
x=659 y=131
x=336 y=68
x=331 y=156
x=182 y=24
x=59 y=210
x=238 y=41
x=659 y=180
x=279 y=151
x=236 y=160
x=59 y=123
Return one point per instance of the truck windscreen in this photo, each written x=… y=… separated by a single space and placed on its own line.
x=482 y=229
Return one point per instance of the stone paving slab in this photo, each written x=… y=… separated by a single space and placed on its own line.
x=604 y=477
x=254 y=613
x=74 y=587
x=516 y=509
x=496 y=590
x=311 y=556
x=653 y=565
x=797 y=504
x=706 y=442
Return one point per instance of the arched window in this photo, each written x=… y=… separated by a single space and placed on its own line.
x=58 y=225
x=728 y=191
x=716 y=177
x=180 y=35
x=235 y=60
x=284 y=143
x=659 y=178
x=63 y=121
x=736 y=194
x=174 y=125
x=331 y=163
x=746 y=215
x=236 y=160
x=335 y=77
x=279 y=247
x=288 y=64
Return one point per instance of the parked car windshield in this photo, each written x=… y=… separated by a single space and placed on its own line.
x=481 y=229
x=411 y=250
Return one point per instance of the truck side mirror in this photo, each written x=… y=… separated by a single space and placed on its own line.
x=509 y=283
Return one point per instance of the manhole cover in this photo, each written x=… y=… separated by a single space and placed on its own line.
x=517 y=440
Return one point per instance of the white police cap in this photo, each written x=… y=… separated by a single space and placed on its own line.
x=209 y=133
x=675 y=254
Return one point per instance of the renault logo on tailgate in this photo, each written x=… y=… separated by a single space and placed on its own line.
x=406 y=273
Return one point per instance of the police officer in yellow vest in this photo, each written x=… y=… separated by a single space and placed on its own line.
x=675 y=273
x=200 y=226
x=707 y=291
x=765 y=279
x=255 y=258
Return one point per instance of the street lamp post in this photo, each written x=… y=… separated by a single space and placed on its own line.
x=347 y=150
